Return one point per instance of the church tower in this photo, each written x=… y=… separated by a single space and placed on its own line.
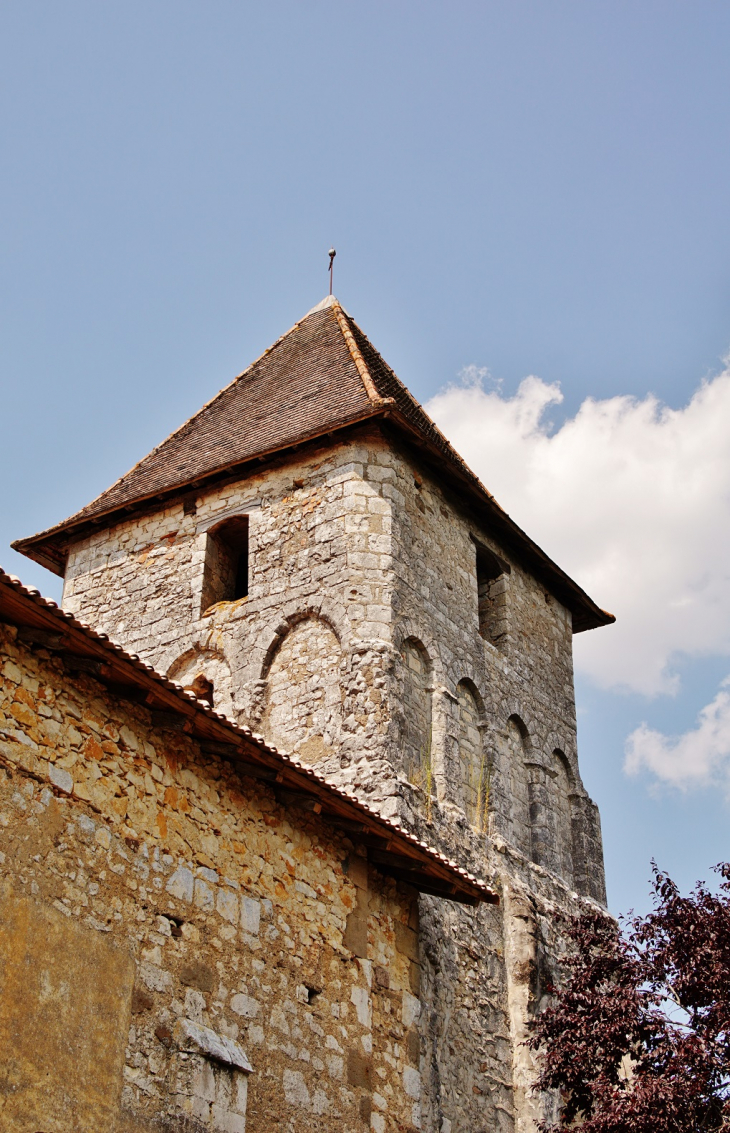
x=311 y=554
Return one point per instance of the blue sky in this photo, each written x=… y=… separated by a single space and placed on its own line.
x=513 y=189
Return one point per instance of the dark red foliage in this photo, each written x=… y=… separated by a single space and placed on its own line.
x=637 y=1039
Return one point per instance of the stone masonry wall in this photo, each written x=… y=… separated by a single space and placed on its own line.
x=320 y=549
x=303 y=700
x=522 y=690
x=359 y=540
x=357 y=546
x=163 y=919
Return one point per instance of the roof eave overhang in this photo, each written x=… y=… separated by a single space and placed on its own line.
x=394 y=851
x=49 y=548
x=42 y=553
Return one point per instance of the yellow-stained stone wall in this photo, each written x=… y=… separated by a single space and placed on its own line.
x=146 y=887
x=66 y=996
x=358 y=646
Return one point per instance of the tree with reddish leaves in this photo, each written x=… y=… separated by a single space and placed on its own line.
x=637 y=1038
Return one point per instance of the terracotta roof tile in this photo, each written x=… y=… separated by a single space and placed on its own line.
x=322 y=375
x=306 y=383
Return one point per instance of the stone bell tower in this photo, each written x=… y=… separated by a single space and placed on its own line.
x=311 y=553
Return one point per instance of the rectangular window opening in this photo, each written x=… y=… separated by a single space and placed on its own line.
x=491 y=595
x=225 y=574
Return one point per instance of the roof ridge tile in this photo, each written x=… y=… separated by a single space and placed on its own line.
x=362 y=369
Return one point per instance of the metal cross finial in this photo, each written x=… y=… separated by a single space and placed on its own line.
x=332 y=254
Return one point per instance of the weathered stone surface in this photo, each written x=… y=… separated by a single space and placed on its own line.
x=379 y=641
x=181 y=884
x=115 y=977
x=192 y=1037
x=64 y=1014
x=61 y=779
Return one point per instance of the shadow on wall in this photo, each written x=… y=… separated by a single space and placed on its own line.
x=475 y=765
x=533 y=802
x=225 y=573
x=512 y=802
x=207 y=673
x=415 y=724
x=561 y=809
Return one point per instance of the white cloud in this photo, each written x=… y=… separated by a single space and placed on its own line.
x=699 y=757
x=632 y=498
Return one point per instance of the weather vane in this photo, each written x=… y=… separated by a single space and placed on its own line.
x=332 y=254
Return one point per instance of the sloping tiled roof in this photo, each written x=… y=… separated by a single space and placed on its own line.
x=306 y=383
x=393 y=849
x=321 y=376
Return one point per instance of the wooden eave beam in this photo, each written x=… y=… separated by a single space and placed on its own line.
x=128 y=678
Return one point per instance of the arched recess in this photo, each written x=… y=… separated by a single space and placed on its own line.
x=210 y=665
x=255 y=662
x=561 y=793
x=416 y=713
x=518 y=825
x=474 y=766
x=492 y=595
x=303 y=696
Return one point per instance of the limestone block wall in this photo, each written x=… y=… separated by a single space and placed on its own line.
x=179 y=951
x=484 y=974
x=474 y=785
x=520 y=691
x=359 y=646
x=320 y=580
x=360 y=627
x=302 y=697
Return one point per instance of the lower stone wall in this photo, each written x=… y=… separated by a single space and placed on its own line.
x=485 y=973
x=178 y=950
x=181 y=951
x=466 y=1034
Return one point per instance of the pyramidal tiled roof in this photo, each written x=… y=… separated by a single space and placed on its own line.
x=319 y=377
